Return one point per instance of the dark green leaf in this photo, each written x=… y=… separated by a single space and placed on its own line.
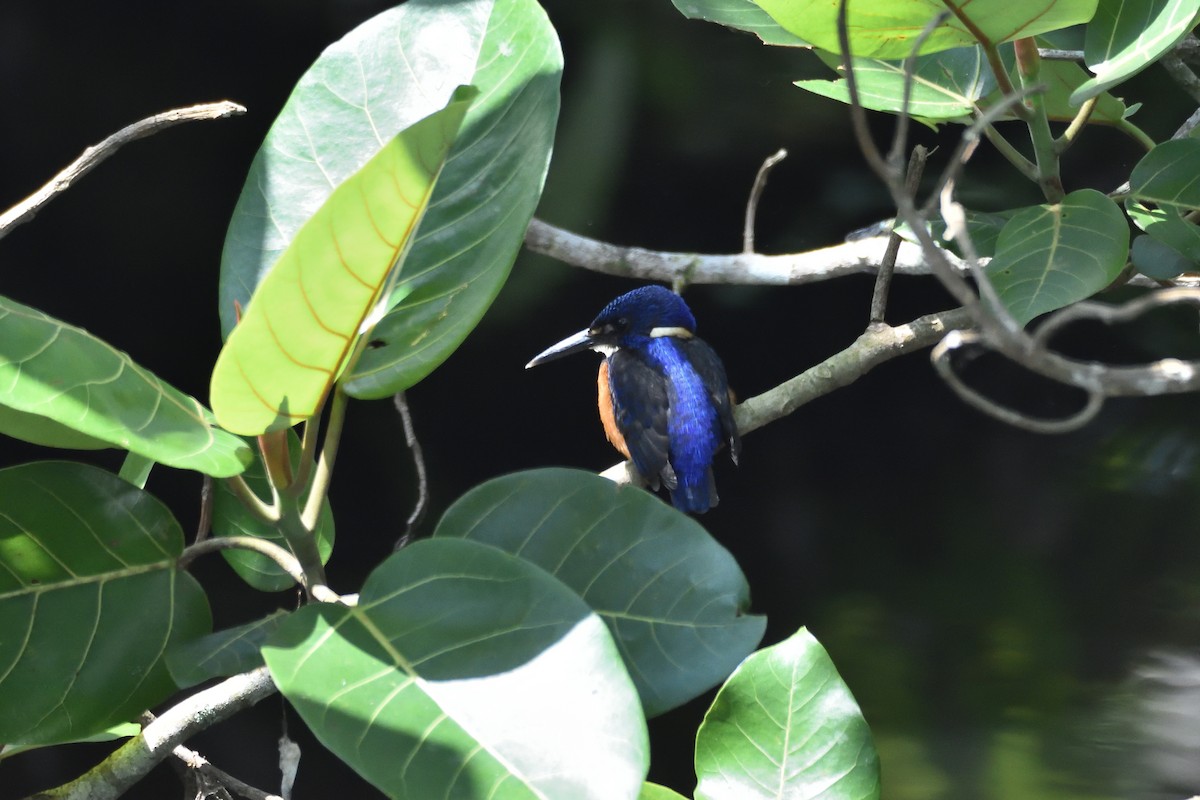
x=674 y=599
x=232 y=518
x=786 y=726
x=1051 y=256
x=1167 y=174
x=219 y=655
x=465 y=672
x=90 y=600
x=741 y=15
x=1157 y=260
x=1126 y=36
x=1167 y=226
x=65 y=374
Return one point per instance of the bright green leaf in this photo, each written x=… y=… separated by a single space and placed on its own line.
x=481 y=206
x=305 y=317
x=45 y=431
x=675 y=600
x=1167 y=226
x=224 y=653
x=1126 y=36
x=465 y=672
x=652 y=791
x=64 y=374
x=889 y=28
x=741 y=15
x=945 y=86
x=786 y=726
x=1048 y=257
x=1169 y=174
x=90 y=600
x=379 y=79
x=232 y=518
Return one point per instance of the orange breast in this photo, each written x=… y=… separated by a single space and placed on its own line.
x=607 y=416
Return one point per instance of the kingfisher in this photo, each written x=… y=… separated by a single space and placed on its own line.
x=664 y=400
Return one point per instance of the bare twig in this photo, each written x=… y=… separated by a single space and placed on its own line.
x=283 y=558
x=198 y=763
x=1053 y=54
x=157 y=740
x=883 y=279
x=204 y=525
x=91 y=157
x=760 y=183
x=1182 y=74
x=414 y=446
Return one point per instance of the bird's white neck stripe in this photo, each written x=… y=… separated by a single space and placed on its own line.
x=682 y=333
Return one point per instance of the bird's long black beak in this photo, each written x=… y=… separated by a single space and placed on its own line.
x=572 y=344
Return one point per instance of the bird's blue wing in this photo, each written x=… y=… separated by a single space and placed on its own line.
x=710 y=369
x=640 y=408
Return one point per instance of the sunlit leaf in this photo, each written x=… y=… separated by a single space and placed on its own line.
x=786 y=726
x=889 y=28
x=1126 y=36
x=675 y=600
x=383 y=76
x=121 y=730
x=90 y=600
x=480 y=209
x=232 y=518
x=1167 y=226
x=741 y=15
x=223 y=653
x=652 y=791
x=465 y=672
x=304 y=319
x=65 y=374
x=44 y=431
x=945 y=86
x=1051 y=256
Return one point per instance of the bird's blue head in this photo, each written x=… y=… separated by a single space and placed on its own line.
x=643 y=313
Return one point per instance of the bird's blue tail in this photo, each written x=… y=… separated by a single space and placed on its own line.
x=695 y=496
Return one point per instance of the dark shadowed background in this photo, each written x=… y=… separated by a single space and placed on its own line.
x=1017 y=614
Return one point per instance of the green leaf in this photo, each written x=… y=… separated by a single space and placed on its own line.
x=741 y=15
x=122 y=730
x=224 y=653
x=1167 y=175
x=1051 y=256
x=481 y=206
x=1167 y=226
x=889 y=28
x=90 y=600
x=946 y=85
x=465 y=672
x=675 y=600
x=66 y=375
x=232 y=518
x=1158 y=260
x=334 y=123
x=44 y=431
x=652 y=791
x=1062 y=79
x=304 y=320
x=786 y=726
x=1126 y=36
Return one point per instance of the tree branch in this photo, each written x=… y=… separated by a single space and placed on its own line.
x=91 y=157
x=116 y=774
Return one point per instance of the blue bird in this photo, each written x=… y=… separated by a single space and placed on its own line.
x=664 y=400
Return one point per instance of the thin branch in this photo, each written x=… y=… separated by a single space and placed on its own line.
x=204 y=525
x=200 y=764
x=760 y=183
x=883 y=280
x=91 y=157
x=414 y=446
x=1182 y=74
x=128 y=764
x=283 y=558
x=878 y=344
x=1053 y=54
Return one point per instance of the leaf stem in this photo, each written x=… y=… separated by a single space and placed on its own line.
x=1029 y=65
x=329 y=449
